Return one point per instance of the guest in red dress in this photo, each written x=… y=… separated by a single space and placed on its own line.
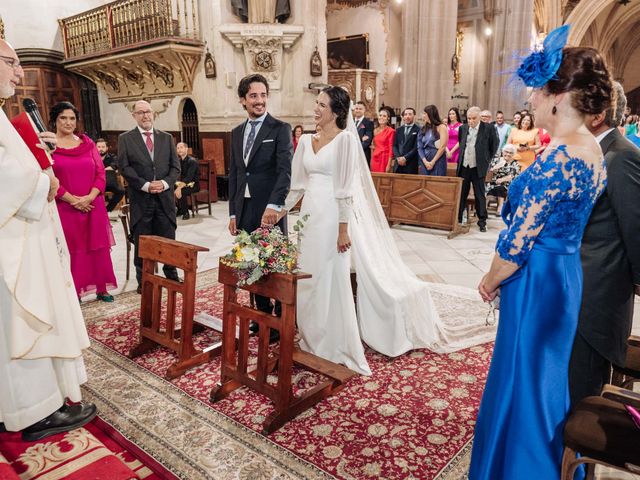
x=297 y=133
x=382 y=145
x=80 y=202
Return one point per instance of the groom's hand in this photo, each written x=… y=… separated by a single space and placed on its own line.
x=233 y=230
x=269 y=217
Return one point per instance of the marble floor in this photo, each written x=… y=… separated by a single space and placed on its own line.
x=459 y=261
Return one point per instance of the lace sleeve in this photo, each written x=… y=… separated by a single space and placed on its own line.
x=547 y=184
x=298 y=175
x=344 y=168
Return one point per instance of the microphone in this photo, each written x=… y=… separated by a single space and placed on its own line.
x=31 y=109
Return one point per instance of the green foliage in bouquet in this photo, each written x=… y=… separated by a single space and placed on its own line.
x=263 y=251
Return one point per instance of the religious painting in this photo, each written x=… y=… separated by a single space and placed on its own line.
x=348 y=52
x=315 y=64
x=209 y=65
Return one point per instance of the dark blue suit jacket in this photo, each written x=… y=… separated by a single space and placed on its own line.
x=406 y=147
x=366 y=129
x=268 y=171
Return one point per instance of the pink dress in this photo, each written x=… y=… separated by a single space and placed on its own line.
x=453 y=128
x=89 y=236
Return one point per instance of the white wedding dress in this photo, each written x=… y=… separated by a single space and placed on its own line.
x=395 y=310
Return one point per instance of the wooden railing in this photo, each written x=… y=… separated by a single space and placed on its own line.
x=126 y=23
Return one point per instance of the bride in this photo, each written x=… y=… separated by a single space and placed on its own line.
x=347 y=227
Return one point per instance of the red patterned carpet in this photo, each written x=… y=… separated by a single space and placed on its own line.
x=94 y=452
x=413 y=418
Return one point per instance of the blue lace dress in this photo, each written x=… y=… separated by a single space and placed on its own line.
x=526 y=399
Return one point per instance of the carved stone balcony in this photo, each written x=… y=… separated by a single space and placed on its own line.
x=136 y=49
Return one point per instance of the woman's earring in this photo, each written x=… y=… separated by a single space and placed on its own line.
x=554 y=110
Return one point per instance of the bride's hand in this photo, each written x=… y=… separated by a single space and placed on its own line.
x=344 y=242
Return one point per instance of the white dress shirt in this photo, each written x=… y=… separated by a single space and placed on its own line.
x=143 y=132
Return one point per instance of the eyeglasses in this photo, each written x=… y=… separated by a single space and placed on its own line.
x=143 y=112
x=12 y=62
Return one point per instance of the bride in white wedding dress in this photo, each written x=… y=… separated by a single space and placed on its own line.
x=347 y=227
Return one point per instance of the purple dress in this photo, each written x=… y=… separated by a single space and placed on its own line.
x=453 y=128
x=89 y=236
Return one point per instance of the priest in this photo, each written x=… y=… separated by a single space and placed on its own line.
x=42 y=332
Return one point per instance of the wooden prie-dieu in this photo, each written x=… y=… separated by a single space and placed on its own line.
x=154 y=332
x=235 y=371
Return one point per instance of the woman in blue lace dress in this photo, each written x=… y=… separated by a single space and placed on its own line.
x=538 y=273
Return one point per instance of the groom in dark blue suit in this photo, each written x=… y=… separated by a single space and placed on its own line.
x=260 y=167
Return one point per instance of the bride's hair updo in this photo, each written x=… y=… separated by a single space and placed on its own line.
x=584 y=75
x=340 y=104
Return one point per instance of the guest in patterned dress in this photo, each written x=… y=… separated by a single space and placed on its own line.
x=453 y=128
x=502 y=172
x=382 y=145
x=537 y=270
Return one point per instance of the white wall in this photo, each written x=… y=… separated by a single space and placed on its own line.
x=34 y=23
x=383 y=24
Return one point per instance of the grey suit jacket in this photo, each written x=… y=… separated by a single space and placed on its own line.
x=611 y=253
x=138 y=168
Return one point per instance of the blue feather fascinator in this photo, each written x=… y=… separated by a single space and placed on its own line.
x=543 y=63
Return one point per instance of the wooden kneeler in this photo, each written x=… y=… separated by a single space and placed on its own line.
x=234 y=368
x=154 y=249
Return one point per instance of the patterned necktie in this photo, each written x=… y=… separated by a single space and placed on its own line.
x=149 y=142
x=251 y=138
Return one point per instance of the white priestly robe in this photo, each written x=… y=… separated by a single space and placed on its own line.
x=42 y=331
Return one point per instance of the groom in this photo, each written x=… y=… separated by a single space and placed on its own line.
x=260 y=167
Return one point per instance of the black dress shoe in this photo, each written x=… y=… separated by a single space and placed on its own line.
x=139 y=290
x=483 y=228
x=274 y=336
x=186 y=216
x=254 y=327
x=2 y=428
x=68 y=417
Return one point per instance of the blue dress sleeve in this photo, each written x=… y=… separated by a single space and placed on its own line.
x=547 y=184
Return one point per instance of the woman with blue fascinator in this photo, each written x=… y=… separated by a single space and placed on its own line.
x=537 y=272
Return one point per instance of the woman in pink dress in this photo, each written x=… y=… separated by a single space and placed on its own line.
x=83 y=214
x=453 y=126
x=382 y=145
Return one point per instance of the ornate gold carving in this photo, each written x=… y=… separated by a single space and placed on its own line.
x=156 y=72
x=457 y=56
x=1 y=29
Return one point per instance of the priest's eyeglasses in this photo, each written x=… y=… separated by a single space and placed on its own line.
x=12 y=62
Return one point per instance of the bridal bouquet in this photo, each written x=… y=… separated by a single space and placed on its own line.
x=263 y=251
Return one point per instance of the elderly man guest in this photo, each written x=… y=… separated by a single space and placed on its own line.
x=42 y=335
x=148 y=161
x=478 y=145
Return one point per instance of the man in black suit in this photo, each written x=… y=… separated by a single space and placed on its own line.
x=610 y=261
x=189 y=180
x=150 y=164
x=478 y=145
x=364 y=127
x=110 y=163
x=405 y=144
x=260 y=167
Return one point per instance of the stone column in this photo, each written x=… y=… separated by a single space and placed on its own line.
x=512 y=34
x=428 y=39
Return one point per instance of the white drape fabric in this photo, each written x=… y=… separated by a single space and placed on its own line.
x=42 y=332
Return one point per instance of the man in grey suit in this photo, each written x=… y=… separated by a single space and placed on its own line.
x=610 y=261
x=148 y=161
x=478 y=145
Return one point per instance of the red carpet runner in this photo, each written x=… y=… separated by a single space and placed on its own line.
x=408 y=420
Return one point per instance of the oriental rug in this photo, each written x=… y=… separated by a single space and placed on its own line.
x=412 y=419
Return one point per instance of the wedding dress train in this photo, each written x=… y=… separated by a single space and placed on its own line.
x=395 y=309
